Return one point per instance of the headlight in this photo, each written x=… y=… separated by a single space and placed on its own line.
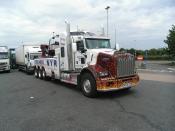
x=103 y=74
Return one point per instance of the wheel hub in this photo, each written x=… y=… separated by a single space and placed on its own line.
x=39 y=74
x=87 y=86
x=35 y=73
x=43 y=74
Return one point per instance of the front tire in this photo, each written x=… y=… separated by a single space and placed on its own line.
x=88 y=85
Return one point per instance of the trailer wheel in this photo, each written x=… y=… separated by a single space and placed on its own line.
x=36 y=73
x=88 y=85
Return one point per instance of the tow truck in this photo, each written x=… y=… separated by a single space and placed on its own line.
x=88 y=61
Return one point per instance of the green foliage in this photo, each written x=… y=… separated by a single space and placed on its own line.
x=152 y=54
x=158 y=57
x=122 y=49
x=158 y=52
x=170 y=41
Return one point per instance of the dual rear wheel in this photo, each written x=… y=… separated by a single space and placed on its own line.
x=40 y=73
x=87 y=84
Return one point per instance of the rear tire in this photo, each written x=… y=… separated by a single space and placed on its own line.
x=45 y=77
x=19 y=69
x=44 y=74
x=88 y=85
x=36 y=73
x=27 y=70
x=8 y=71
x=40 y=74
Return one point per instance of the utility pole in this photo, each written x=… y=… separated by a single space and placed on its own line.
x=115 y=36
x=107 y=8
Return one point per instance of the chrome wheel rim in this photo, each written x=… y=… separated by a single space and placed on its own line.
x=43 y=74
x=87 y=86
x=35 y=73
x=39 y=74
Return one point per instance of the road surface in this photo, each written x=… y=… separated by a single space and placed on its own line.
x=30 y=104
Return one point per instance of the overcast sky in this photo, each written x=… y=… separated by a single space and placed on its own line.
x=141 y=24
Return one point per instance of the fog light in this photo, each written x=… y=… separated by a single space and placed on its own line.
x=103 y=74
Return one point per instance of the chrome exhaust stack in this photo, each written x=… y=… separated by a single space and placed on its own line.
x=69 y=47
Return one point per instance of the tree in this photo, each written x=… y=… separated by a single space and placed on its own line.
x=132 y=51
x=152 y=52
x=170 y=41
x=122 y=49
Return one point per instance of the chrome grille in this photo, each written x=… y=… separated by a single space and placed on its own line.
x=3 y=63
x=125 y=65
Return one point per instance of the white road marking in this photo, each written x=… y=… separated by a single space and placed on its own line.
x=150 y=70
x=171 y=69
x=157 y=77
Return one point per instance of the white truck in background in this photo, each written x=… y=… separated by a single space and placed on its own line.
x=4 y=59
x=25 y=55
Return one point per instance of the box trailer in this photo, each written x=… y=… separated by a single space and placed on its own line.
x=25 y=55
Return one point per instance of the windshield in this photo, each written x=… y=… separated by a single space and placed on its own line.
x=34 y=56
x=3 y=55
x=97 y=43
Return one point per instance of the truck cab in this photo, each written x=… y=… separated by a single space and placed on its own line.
x=93 y=55
x=88 y=47
x=25 y=55
x=4 y=59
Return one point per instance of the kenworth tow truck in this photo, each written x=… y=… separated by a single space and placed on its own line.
x=86 y=60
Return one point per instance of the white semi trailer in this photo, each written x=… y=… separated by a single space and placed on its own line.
x=25 y=55
x=4 y=59
x=87 y=60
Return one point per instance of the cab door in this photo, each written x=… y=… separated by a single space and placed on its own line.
x=27 y=58
x=80 y=55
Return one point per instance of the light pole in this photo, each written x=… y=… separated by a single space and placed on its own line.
x=115 y=36
x=107 y=8
x=135 y=53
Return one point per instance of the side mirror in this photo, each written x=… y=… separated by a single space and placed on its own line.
x=56 y=43
x=80 y=46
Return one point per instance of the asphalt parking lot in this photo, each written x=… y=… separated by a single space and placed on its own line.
x=30 y=104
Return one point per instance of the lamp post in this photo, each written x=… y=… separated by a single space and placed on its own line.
x=107 y=8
